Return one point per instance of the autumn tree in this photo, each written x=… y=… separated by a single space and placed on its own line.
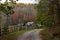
x=49 y=15
x=43 y=16
x=6 y=9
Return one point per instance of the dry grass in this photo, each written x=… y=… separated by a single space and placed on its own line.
x=47 y=35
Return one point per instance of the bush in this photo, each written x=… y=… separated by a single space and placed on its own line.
x=47 y=35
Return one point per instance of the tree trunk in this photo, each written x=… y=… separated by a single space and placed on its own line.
x=6 y=26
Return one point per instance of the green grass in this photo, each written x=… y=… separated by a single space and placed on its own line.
x=12 y=36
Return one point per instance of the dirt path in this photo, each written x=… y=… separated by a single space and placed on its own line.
x=31 y=35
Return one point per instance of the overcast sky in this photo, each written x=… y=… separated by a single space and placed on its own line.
x=24 y=1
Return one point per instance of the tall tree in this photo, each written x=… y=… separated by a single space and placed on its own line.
x=49 y=14
x=6 y=10
x=43 y=13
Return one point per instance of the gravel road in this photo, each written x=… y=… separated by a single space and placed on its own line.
x=31 y=35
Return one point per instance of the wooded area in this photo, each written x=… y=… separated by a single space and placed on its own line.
x=49 y=15
x=44 y=15
x=14 y=17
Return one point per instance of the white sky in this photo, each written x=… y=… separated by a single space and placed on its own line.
x=24 y=1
